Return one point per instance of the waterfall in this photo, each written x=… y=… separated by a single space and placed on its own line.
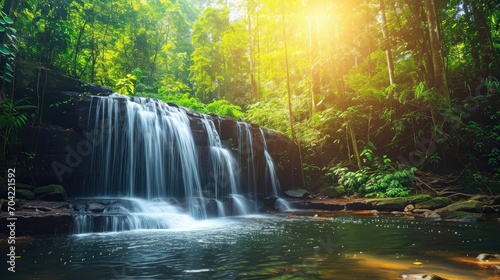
x=223 y=172
x=146 y=150
x=246 y=159
x=271 y=176
x=145 y=169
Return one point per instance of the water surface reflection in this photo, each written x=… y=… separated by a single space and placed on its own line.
x=332 y=246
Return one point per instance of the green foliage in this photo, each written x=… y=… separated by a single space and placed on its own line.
x=13 y=117
x=483 y=139
x=224 y=108
x=8 y=47
x=380 y=179
x=126 y=85
x=271 y=114
x=185 y=100
x=218 y=107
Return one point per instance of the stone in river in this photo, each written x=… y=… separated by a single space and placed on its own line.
x=420 y=277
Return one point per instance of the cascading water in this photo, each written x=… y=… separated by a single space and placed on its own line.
x=223 y=173
x=271 y=176
x=246 y=159
x=144 y=153
x=146 y=150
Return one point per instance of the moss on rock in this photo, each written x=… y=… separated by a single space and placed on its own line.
x=468 y=206
x=26 y=194
x=419 y=198
x=51 y=193
x=389 y=204
x=434 y=203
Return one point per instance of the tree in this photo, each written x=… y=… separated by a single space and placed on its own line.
x=439 y=82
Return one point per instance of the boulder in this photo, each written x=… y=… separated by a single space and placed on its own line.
x=409 y=208
x=389 y=204
x=420 y=277
x=431 y=215
x=486 y=257
x=51 y=193
x=434 y=203
x=95 y=207
x=468 y=206
x=297 y=193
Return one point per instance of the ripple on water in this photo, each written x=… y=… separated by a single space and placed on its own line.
x=259 y=247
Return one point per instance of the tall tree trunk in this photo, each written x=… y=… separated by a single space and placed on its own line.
x=440 y=83
x=77 y=48
x=314 y=46
x=489 y=62
x=387 y=45
x=290 y=112
x=253 y=82
x=473 y=38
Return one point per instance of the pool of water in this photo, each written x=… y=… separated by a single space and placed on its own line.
x=285 y=246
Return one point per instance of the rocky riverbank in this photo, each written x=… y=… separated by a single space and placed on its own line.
x=477 y=208
x=48 y=214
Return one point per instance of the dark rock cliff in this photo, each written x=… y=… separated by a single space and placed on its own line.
x=58 y=136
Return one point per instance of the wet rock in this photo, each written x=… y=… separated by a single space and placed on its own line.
x=409 y=208
x=420 y=277
x=468 y=206
x=269 y=201
x=95 y=207
x=297 y=193
x=38 y=217
x=51 y=193
x=486 y=257
x=431 y=215
x=389 y=204
x=434 y=203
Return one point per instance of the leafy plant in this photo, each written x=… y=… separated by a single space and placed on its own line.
x=8 y=46
x=13 y=116
x=381 y=179
x=126 y=85
x=224 y=108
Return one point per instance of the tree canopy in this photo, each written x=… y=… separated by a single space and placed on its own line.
x=367 y=78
